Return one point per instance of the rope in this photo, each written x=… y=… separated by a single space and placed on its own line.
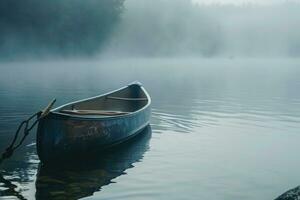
x=25 y=125
x=26 y=130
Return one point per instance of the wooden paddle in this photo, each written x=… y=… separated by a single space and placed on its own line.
x=46 y=111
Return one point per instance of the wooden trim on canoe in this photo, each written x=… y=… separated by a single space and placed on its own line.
x=94 y=112
x=127 y=99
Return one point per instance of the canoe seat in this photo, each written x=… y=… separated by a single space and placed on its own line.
x=127 y=99
x=94 y=112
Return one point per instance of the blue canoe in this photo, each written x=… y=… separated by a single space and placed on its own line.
x=87 y=127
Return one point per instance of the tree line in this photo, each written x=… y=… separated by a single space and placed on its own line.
x=60 y=26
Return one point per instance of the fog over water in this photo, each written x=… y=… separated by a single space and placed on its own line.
x=223 y=79
x=221 y=129
x=180 y=28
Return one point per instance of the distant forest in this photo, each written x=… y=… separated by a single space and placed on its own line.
x=64 y=27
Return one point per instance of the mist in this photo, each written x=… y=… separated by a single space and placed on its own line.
x=223 y=83
x=142 y=28
x=180 y=28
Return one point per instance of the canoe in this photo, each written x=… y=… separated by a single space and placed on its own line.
x=86 y=127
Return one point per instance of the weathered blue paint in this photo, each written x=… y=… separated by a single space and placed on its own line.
x=64 y=137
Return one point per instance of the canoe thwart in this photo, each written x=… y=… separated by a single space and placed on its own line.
x=127 y=99
x=94 y=112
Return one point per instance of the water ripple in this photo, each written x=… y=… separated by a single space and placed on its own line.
x=231 y=112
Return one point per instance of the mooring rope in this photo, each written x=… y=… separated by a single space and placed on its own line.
x=25 y=125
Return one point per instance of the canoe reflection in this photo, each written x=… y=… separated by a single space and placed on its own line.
x=89 y=176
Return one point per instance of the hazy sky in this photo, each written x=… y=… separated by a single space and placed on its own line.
x=239 y=1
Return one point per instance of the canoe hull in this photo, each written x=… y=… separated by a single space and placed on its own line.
x=62 y=138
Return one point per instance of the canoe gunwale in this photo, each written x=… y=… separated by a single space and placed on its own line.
x=55 y=112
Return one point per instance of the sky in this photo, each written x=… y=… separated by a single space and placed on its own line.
x=240 y=2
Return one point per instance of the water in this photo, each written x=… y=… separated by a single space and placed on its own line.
x=220 y=129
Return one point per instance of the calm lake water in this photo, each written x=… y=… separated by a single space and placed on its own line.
x=220 y=129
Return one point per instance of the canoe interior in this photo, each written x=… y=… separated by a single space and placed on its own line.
x=121 y=102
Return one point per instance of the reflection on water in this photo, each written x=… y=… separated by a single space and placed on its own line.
x=81 y=179
x=88 y=177
x=222 y=129
x=18 y=173
x=10 y=189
